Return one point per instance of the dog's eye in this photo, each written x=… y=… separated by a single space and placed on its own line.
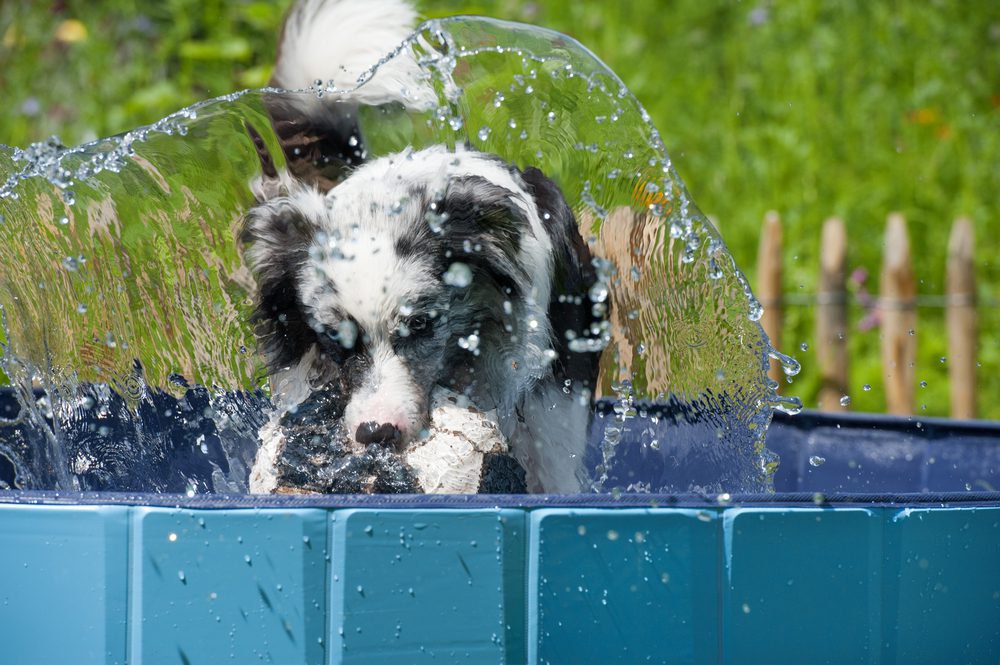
x=414 y=326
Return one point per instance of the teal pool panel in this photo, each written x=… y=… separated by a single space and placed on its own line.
x=412 y=586
x=62 y=584
x=945 y=603
x=802 y=586
x=624 y=586
x=883 y=584
x=219 y=586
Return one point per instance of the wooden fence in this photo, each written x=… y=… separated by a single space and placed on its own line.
x=896 y=307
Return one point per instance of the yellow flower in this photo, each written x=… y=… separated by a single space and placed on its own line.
x=71 y=31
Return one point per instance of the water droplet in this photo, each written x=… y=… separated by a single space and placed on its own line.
x=804 y=346
x=867 y=387
x=845 y=400
x=816 y=460
x=347 y=333
x=923 y=384
x=458 y=275
x=598 y=292
x=484 y=133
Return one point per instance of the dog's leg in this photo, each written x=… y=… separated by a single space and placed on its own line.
x=550 y=438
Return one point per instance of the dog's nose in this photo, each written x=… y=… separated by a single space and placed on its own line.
x=373 y=432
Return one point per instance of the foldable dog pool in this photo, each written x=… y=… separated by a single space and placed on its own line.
x=880 y=543
x=900 y=565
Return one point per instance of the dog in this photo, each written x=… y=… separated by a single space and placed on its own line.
x=385 y=277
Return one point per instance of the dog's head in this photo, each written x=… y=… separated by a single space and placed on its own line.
x=422 y=268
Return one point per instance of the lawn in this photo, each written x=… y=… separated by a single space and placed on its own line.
x=810 y=108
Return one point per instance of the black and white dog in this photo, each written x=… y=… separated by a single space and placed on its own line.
x=386 y=277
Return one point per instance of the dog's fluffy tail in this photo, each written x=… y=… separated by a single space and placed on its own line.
x=339 y=40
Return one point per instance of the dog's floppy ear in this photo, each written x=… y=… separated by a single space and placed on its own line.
x=277 y=236
x=573 y=275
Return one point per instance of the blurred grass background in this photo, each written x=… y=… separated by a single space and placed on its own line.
x=808 y=107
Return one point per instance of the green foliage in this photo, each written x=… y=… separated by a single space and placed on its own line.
x=808 y=107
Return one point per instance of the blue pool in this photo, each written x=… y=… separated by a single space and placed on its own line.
x=878 y=555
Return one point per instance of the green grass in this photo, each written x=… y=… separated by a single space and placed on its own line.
x=807 y=107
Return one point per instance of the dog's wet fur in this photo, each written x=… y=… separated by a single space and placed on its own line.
x=382 y=278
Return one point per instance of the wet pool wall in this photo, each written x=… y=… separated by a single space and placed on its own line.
x=764 y=584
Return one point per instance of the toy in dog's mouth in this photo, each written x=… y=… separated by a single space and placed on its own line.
x=309 y=450
x=132 y=257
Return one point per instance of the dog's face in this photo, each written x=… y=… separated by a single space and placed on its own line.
x=420 y=269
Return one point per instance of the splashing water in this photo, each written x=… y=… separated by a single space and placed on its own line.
x=125 y=300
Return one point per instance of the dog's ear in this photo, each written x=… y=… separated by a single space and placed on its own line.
x=573 y=275
x=277 y=236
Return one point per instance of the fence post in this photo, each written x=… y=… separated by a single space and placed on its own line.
x=897 y=309
x=769 y=285
x=961 y=316
x=831 y=316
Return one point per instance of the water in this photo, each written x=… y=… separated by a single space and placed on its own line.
x=123 y=288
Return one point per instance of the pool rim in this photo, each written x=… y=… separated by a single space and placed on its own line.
x=502 y=501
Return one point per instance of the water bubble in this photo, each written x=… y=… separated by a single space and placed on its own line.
x=816 y=460
x=598 y=292
x=470 y=343
x=347 y=333
x=612 y=535
x=458 y=275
